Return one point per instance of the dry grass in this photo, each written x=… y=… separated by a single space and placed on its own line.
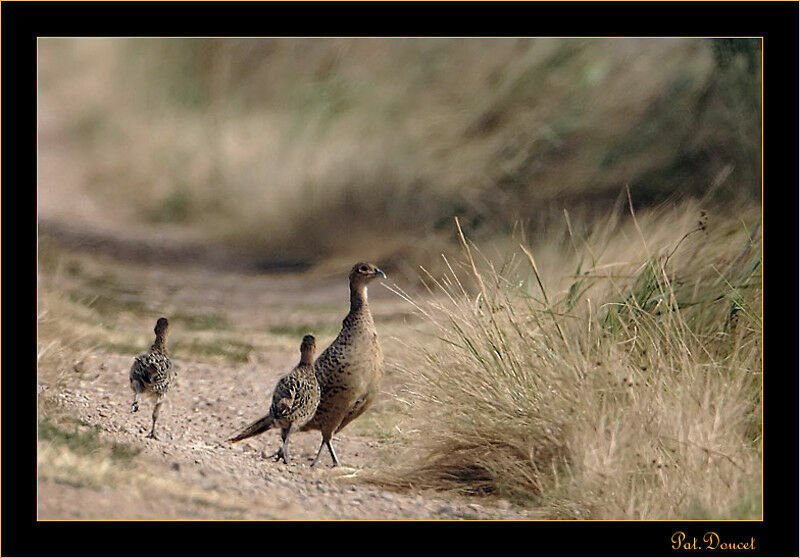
x=629 y=389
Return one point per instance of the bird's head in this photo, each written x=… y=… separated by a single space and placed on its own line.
x=362 y=273
x=307 y=349
x=162 y=326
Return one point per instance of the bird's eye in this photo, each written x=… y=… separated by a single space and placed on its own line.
x=362 y=268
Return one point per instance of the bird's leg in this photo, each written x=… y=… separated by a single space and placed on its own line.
x=285 y=432
x=283 y=451
x=319 y=452
x=326 y=441
x=333 y=453
x=137 y=389
x=156 y=412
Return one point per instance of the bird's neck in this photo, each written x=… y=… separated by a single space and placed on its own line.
x=358 y=298
x=306 y=358
x=160 y=344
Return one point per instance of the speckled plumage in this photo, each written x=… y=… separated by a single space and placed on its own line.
x=153 y=370
x=294 y=401
x=152 y=373
x=349 y=371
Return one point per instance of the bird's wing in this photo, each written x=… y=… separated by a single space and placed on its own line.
x=153 y=367
x=331 y=360
x=283 y=398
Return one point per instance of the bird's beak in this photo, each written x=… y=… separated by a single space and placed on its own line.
x=380 y=272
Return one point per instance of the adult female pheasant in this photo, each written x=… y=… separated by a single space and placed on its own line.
x=349 y=371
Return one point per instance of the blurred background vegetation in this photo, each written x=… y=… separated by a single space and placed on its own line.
x=311 y=149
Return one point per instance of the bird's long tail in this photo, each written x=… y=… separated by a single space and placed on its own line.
x=261 y=425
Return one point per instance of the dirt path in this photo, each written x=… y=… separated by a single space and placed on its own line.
x=233 y=335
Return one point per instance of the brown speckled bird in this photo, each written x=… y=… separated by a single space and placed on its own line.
x=349 y=371
x=293 y=402
x=152 y=373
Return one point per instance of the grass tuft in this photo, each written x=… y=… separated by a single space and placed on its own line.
x=620 y=391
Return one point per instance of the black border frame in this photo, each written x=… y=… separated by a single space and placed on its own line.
x=22 y=22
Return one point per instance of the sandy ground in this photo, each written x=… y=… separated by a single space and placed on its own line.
x=192 y=453
x=200 y=476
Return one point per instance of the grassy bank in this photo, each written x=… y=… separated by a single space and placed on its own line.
x=612 y=376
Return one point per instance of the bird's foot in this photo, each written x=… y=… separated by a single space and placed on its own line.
x=277 y=455
x=334 y=465
x=135 y=407
x=281 y=454
x=152 y=435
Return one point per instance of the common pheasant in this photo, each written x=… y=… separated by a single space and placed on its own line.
x=152 y=373
x=349 y=371
x=294 y=401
